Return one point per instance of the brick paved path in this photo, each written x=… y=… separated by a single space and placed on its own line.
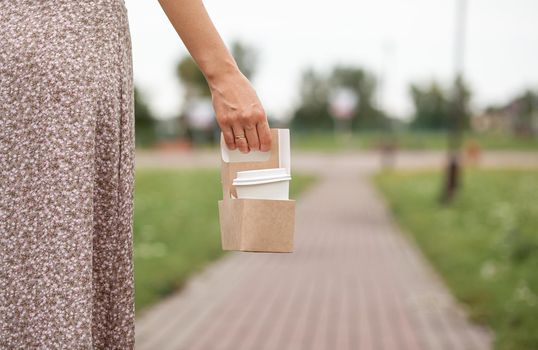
x=354 y=282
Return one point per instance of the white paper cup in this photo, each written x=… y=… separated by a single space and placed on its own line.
x=263 y=184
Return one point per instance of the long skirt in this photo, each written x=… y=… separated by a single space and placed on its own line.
x=66 y=175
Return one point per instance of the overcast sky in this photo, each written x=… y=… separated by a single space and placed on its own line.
x=403 y=41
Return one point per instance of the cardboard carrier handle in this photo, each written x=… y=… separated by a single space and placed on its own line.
x=230 y=169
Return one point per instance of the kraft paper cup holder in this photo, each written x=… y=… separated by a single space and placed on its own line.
x=256 y=225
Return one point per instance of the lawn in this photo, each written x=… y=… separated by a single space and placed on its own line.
x=485 y=244
x=414 y=140
x=176 y=230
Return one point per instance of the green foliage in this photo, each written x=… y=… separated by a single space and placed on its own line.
x=176 y=230
x=313 y=112
x=192 y=79
x=485 y=244
x=315 y=91
x=145 y=133
x=431 y=107
x=364 y=85
x=246 y=57
x=436 y=109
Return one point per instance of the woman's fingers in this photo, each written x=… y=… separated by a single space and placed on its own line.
x=264 y=135
x=247 y=138
x=240 y=138
x=229 y=138
x=252 y=137
x=237 y=107
x=240 y=114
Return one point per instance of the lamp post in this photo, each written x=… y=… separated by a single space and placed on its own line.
x=453 y=170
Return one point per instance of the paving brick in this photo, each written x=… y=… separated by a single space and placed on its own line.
x=354 y=282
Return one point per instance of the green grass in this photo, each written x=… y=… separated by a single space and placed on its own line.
x=413 y=140
x=176 y=230
x=485 y=244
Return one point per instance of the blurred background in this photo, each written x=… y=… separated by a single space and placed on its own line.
x=439 y=100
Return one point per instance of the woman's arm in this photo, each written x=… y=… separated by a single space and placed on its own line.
x=240 y=114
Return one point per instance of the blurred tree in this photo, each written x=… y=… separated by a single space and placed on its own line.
x=145 y=122
x=431 y=107
x=315 y=91
x=246 y=57
x=192 y=79
x=197 y=92
x=435 y=108
x=363 y=84
x=313 y=111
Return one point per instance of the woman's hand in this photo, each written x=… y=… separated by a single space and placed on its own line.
x=239 y=112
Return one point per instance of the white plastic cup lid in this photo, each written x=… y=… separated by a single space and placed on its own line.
x=255 y=177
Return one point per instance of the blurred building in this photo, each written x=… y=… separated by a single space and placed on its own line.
x=518 y=117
